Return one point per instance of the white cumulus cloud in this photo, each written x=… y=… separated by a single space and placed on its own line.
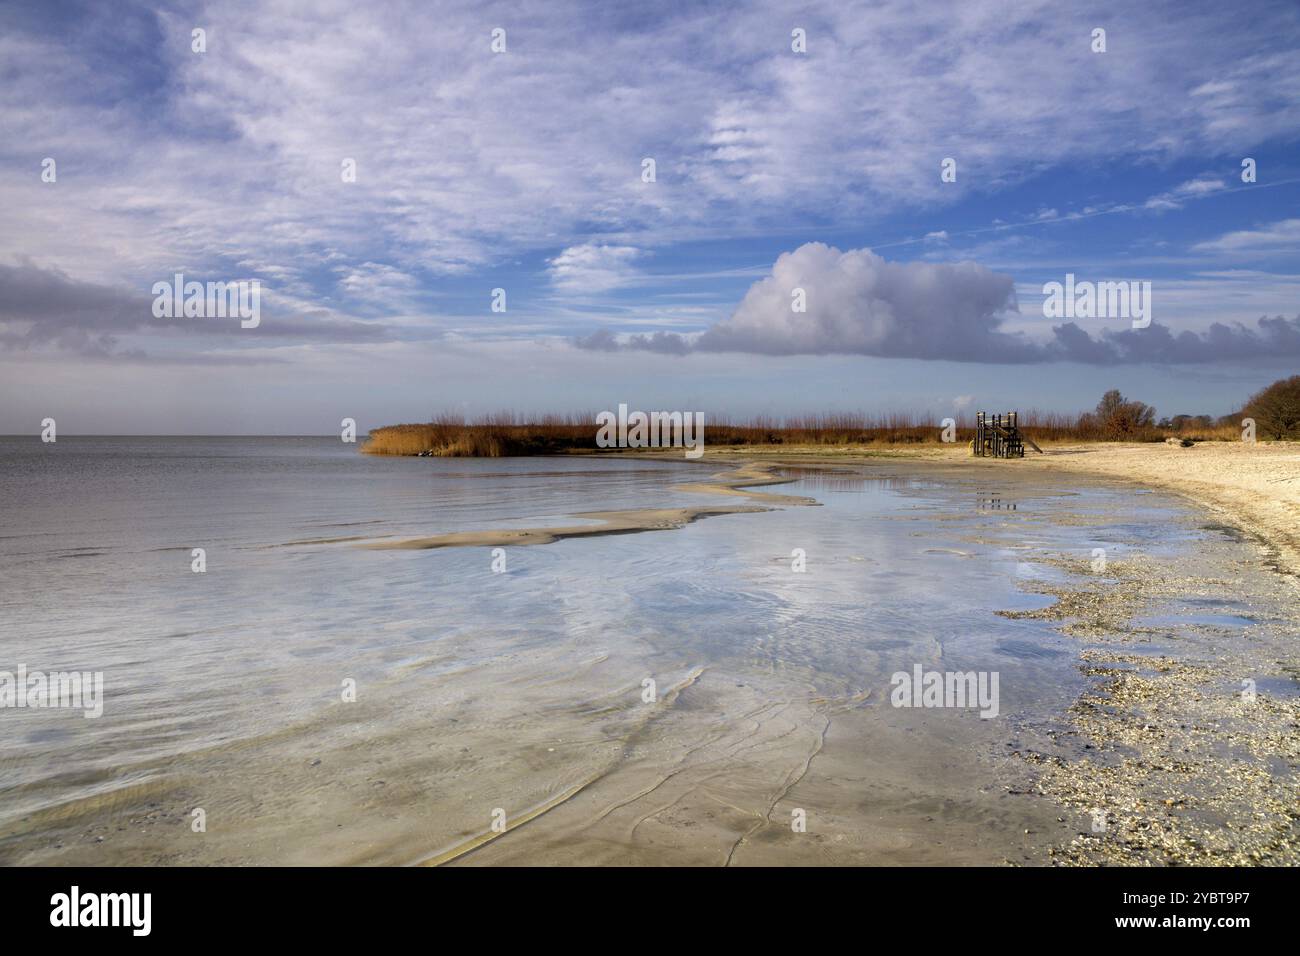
x=860 y=303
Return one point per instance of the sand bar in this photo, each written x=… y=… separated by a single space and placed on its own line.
x=735 y=482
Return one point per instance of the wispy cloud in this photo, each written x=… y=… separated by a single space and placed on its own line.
x=474 y=157
x=1192 y=189
x=1284 y=234
x=594 y=268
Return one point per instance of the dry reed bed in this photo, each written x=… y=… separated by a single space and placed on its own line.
x=506 y=434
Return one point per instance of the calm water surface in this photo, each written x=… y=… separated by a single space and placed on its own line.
x=479 y=691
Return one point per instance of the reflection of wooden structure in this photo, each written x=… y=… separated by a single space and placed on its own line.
x=998 y=436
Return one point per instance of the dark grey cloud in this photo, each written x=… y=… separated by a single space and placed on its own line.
x=63 y=312
x=1277 y=337
x=46 y=308
x=603 y=340
x=857 y=303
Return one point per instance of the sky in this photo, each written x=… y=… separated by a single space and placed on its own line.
x=504 y=146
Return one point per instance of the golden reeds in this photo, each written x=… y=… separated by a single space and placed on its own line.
x=507 y=434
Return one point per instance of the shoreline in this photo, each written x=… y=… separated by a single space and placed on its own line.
x=1160 y=740
x=1149 y=742
x=1256 y=487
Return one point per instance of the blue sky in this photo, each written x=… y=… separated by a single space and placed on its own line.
x=522 y=170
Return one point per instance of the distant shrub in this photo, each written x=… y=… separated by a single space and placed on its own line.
x=1276 y=409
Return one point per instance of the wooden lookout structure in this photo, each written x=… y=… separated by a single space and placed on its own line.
x=998 y=436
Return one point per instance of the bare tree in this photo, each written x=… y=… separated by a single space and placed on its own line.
x=1119 y=419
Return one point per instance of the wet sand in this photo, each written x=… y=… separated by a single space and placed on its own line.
x=1254 y=486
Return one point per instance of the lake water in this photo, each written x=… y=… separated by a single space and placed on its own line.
x=484 y=695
